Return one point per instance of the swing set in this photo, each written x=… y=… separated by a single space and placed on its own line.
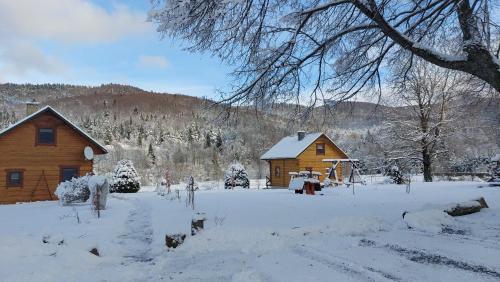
x=349 y=166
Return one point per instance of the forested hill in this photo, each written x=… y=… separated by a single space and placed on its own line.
x=192 y=136
x=123 y=101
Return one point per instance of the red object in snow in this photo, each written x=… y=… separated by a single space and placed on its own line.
x=309 y=188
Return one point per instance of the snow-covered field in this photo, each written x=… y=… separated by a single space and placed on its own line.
x=259 y=235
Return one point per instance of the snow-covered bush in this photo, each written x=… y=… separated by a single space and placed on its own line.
x=75 y=190
x=99 y=190
x=395 y=175
x=236 y=176
x=125 y=178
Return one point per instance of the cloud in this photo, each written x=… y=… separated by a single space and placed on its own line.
x=34 y=31
x=155 y=62
x=69 y=21
x=23 y=58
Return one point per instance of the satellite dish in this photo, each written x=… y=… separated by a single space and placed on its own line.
x=88 y=153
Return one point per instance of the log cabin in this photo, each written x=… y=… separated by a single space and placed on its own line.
x=40 y=151
x=302 y=152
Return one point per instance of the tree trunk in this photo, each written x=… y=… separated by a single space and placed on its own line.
x=427 y=161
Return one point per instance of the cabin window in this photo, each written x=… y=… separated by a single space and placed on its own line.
x=45 y=136
x=320 y=149
x=14 y=178
x=277 y=171
x=68 y=173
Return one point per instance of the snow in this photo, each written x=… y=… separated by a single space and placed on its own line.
x=430 y=220
x=296 y=183
x=74 y=190
x=290 y=147
x=125 y=177
x=236 y=176
x=259 y=235
x=496 y=158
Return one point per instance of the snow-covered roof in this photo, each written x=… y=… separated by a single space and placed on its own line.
x=291 y=147
x=59 y=115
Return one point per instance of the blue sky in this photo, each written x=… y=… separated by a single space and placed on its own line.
x=91 y=42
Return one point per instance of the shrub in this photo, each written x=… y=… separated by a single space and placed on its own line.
x=395 y=175
x=75 y=190
x=236 y=176
x=125 y=178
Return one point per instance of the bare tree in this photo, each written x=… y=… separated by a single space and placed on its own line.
x=333 y=49
x=418 y=130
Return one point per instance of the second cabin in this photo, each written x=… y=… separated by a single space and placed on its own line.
x=303 y=152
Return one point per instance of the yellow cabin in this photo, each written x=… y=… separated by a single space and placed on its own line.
x=39 y=152
x=301 y=152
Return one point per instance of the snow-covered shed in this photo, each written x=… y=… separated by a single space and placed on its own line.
x=40 y=151
x=303 y=151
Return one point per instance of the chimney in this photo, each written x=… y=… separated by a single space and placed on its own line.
x=300 y=135
x=31 y=107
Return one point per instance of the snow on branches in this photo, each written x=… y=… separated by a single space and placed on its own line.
x=342 y=45
x=72 y=191
x=236 y=177
x=125 y=178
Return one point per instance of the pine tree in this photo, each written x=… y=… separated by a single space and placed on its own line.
x=218 y=142
x=208 y=140
x=494 y=169
x=140 y=135
x=125 y=178
x=151 y=154
x=108 y=129
x=139 y=140
x=236 y=177
x=395 y=175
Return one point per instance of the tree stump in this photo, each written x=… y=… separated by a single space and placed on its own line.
x=464 y=208
x=197 y=224
x=173 y=241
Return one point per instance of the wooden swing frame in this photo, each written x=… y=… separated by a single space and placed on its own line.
x=332 y=174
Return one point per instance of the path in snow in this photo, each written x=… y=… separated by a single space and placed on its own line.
x=139 y=234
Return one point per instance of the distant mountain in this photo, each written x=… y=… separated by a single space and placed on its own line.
x=64 y=96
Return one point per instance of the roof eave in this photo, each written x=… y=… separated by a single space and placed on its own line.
x=72 y=125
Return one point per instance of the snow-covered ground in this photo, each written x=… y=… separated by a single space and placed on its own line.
x=259 y=235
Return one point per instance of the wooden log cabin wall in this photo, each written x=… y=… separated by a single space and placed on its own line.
x=300 y=153
x=39 y=152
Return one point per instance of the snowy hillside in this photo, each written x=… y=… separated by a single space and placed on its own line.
x=185 y=133
x=259 y=235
